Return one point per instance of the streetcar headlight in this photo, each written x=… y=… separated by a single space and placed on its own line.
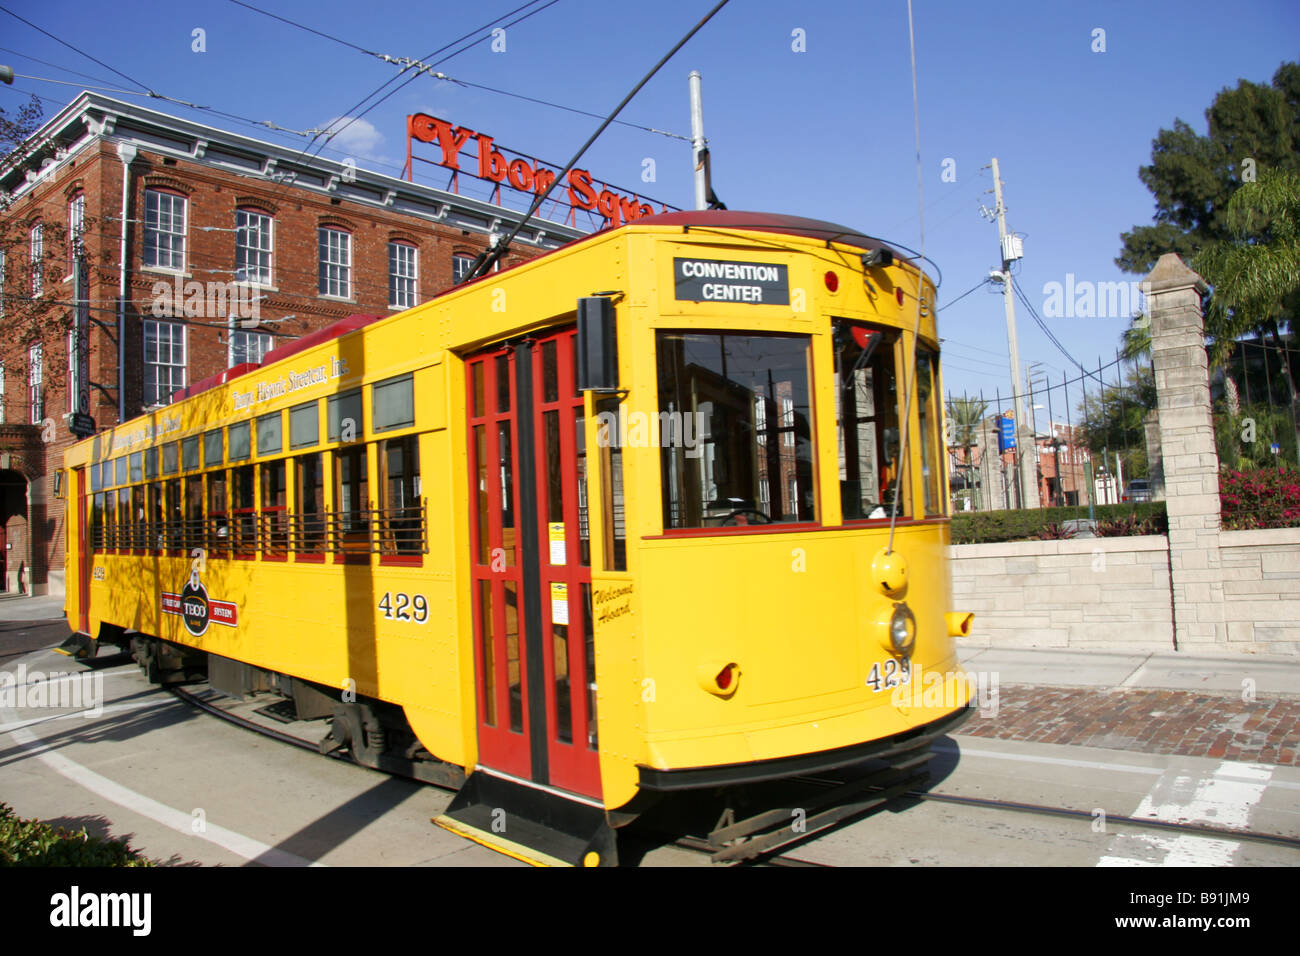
x=898 y=633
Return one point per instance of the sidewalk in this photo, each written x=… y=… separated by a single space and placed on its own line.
x=1165 y=670
x=1244 y=708
x=24 y=607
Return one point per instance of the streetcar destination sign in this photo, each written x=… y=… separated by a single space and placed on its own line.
x=713 y=280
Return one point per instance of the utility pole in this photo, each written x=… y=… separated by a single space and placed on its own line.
x=699 y=147
x=1027 y=483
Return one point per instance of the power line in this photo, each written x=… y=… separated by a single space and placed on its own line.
x=408 y=63
x=74 y=49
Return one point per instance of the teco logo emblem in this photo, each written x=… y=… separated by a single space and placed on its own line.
x=194 y=606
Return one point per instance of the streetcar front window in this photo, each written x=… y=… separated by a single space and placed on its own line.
x=867 y=408
x=933 y=454
x=735 y=429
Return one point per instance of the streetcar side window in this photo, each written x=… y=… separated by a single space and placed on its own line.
x=157 y=517
x=351 y=494
x=195 y=521
x=123 y=519
x=150 y=464
x=243 y=526
x=190 y=454
x=218 y=525
x=238 y=447
x=345 y=416
x=175 y=510
x=212 y=448
x=392 y=404
x=735 y=429
x=932 y=452
x=137 y=467
x=611 y=485
x=867 y=405
x=309 y=498
x=270 y=440
x=97 y=521
x=304 y=425
x=274 y=519
x=400 y=509
x=119 y=466
x=170 y=458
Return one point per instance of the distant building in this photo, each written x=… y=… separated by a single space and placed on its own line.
x=234 y=245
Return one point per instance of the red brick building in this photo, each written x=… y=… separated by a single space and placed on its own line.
x=233 y=246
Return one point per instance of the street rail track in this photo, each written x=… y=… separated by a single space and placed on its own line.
x=694 y=844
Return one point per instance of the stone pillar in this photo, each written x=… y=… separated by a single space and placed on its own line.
x=1155 y=455
x=1188 y=457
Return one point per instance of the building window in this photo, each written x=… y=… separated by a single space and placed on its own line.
x=403 y=271
x=460 y=266
x=164 y=361
x=252 y=247
x=35 y=382
x=76 y=230
x=249 y=347
x=164 y=230
x=37 y=254
x=335 y=263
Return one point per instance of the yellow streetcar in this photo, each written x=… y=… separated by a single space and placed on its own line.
x=611 y=525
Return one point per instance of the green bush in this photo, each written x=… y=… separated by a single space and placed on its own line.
x=986 y=527
x=32 y=843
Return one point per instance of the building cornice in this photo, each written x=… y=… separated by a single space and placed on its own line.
x=93 y=116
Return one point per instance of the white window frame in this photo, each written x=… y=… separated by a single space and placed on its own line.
x=36 y=251
x=153 y=367
x=334 y=247
x=460 y=266
x=2 y=286
x=35 y=382
x=76 y=229
x=403 y=275
x=164 y=230
x=254 y=345
x=2 y=393
x=254 y=247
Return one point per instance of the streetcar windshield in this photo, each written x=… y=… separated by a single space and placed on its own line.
x=735 y=429
x=867 y=410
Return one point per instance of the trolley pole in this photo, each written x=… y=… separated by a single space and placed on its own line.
x=699 y=150
x=1028 y=485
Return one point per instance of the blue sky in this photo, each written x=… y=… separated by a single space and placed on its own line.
x=825 y=132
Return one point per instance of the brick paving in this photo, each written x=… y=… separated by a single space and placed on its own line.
x=1194 y=724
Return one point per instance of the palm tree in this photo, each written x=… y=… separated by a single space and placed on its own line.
x=1256 y=273
x=965 y=415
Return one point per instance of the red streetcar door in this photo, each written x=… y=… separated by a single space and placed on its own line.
x=85 y=559
x=531 y=565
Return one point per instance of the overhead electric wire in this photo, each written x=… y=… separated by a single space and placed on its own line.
x=74 y=49
x=909 y=379
x=451 y=79
x=978 y=285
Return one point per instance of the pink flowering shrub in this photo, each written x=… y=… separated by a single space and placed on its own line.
x=1261 y=498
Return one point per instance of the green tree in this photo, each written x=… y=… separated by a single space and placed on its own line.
x=1252 y=129
x=1255 y=272
x=1114 y=419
